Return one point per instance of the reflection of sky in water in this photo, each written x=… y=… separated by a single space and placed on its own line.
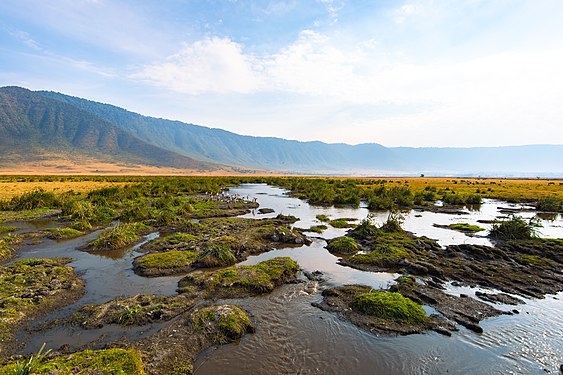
x=418 y=222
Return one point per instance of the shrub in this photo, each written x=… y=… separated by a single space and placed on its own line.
x=37 y=198
x=549 y=204
x=216 y=255
x=515 y=228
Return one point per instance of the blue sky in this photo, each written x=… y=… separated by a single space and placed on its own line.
x=399 y=73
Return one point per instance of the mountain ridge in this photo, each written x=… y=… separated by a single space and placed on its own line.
x=174 y=143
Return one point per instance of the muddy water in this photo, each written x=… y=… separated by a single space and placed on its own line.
x=293 y=337
x=108 y=275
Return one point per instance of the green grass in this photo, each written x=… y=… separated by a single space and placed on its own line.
x=102 y=362
x=317 y=228
x=343 y=222
x=514 y=228
x=391 y=306
x=465 y=227
x=6 y=229
x=7 y=250
x=244 y=280
x=222 y=323
x=549 y=204
x=122 y=235
x=343 y=245
x=167 y=259
x=323 y=218
x=216 y=255
x=63 y=233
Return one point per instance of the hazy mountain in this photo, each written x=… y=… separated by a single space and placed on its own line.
x=48 y=119
x=31 y=123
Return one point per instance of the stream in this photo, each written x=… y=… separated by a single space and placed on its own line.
x=293 y=337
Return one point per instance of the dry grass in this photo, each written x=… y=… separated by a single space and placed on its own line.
x=524 y=189
x=12 y=189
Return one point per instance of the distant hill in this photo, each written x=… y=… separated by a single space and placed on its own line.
x=52 y=121
x=32 y=123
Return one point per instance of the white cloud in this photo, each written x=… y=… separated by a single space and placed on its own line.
x=209 y=65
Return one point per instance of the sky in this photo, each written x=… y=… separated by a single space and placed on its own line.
x=428 y=73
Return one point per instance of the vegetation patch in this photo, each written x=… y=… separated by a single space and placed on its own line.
x=137 y=310
x=6 y=229
x=323 y=218
x=389 y=305
x=7 y=250
x=241 y=281
x=102 y=362
x=343 y=245
x=164 y=263
x=120 y=236
x=63 y=233
x=32 y=286
x=317 y=228
x=549 y=204
x=216 y=255
x=343 y=222
x=223 y=323
x=462 y=227
x=379 y=311
x=514 y=228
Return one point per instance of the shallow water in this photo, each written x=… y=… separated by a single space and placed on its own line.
x=108 y=275
x=293 y=337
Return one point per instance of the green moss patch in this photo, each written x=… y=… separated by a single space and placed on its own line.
x=323 y=218
x=32 y=286
x=164 y=263
x=63 y=233
x=343 y=222
x=241 y=281
x=389 y=305
x=102 y=362
x=378 y=311
x=343 y=245
x=222 y=323
x=462 y=227
x=393 y=247
x=216 y=255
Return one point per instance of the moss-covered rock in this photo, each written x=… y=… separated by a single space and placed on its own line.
x=343 y=246
x=461 y=227
x=240 y=281
x=223 y=323
x=381 y=312
x=389 y=305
